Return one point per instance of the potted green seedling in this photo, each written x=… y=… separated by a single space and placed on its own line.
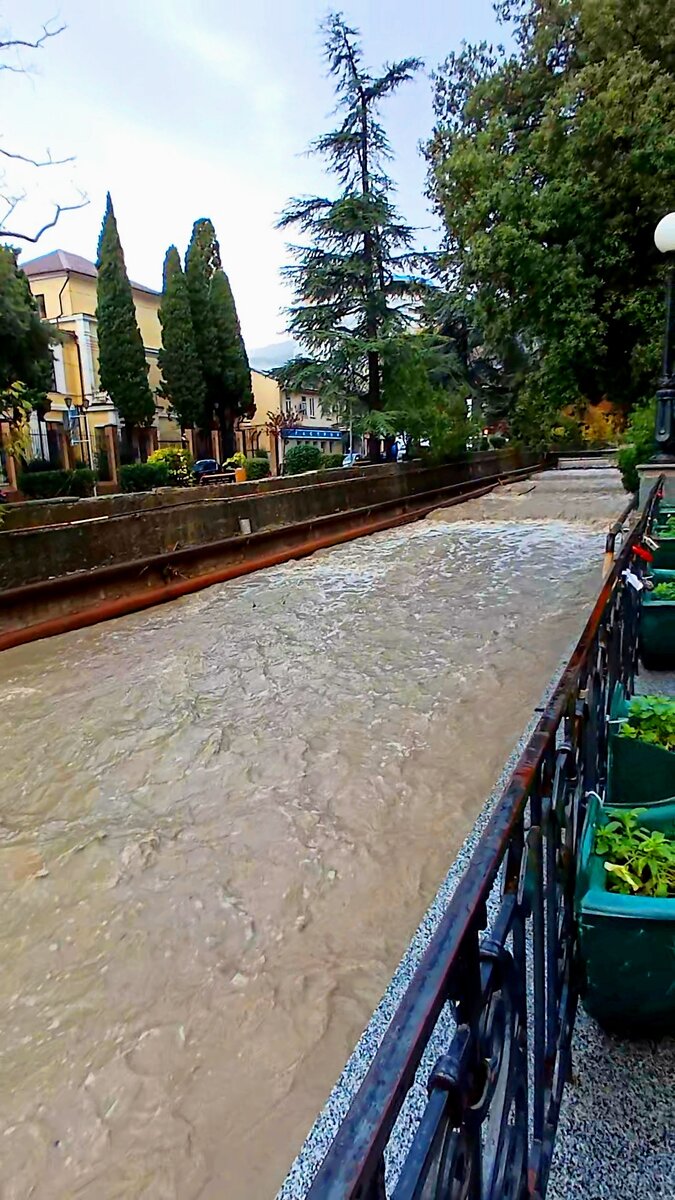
x=664 y=557
x=641 y=764
x=626 y=917
x=657 y=621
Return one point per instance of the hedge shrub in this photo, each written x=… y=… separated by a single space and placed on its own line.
x=330 y=461
x=143 y=477
x=257 y=468
x=41 y=484
x=178 y=463
x=639 y=445
x=302 y=458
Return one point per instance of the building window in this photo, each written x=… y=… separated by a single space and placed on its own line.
x=312 y=406
x=288 y=403
x=40 y=301
x=52 y=382
x=303 y=407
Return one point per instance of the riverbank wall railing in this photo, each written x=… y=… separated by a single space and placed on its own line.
x=503 y=959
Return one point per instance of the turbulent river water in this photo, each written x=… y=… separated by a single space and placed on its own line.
x=221 y=822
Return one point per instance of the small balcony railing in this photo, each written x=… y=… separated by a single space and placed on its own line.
x=503 y=961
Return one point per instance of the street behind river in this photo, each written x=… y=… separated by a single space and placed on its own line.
x=221 y=822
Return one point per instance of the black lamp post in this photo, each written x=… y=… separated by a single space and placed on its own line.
x=664 y=236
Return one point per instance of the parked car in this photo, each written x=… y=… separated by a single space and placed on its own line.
x=353 y=460
x=205 y=466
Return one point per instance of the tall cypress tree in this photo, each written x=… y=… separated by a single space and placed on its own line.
x=122 y=367
x=220 y=345
x=235 y=395
x=352 y=271
x=202 y=260
x=182 y=379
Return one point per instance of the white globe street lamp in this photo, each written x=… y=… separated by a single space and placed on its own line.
x=664 y=237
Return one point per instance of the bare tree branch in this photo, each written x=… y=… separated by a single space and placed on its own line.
x=60 y=208
x=10 y=200
x=34 y=162
x=37 y=44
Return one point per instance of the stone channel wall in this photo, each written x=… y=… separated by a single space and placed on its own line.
x=57 y=538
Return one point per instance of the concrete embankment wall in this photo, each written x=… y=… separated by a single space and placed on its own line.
x=126 y=529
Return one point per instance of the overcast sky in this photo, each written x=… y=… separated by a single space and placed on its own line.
x=184 y=110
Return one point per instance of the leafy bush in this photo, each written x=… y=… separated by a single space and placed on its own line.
x=47 y=485
x=664 y=591
x=143 y=477
x=638 y=444
x=257 y=468
x=178 y=463
x=638 y=861
x=302 y=458
x=651 y=719
x=237 y=460
x=330 y=461
x=261 y=453
x=35 y=465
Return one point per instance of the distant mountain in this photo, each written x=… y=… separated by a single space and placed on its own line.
x=266 y=358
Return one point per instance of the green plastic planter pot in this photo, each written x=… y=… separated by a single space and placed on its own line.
x=637 y=774
x=627 y=943
x=664 y=557
x=657 y=627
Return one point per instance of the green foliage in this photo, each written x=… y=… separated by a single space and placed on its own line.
x=236 y=460
x=638 y=444
x=178 y=463
x=36 y=465
x=122 y=367
x=664 y=591
x=638 y=861
x=41 y=484
x=182 y=378
x=219 y=343
x=667 y=529
x=351 y=274
x=550 y=164
x=302 y=458
x=25 y=357
x=651 y=719
x=425 y=397
x=143 y=477
x=331 y=461
x=261 y=453
x=257 y=468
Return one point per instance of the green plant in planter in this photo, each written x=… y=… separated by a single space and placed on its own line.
x=664 y=591
x=638 y=861
x=651 y=719
x=668 y=527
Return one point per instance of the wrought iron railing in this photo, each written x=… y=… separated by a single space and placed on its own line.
x=503 y=958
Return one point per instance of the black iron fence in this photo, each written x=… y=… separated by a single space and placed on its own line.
x=503 y=959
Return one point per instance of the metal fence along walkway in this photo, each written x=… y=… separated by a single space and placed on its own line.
x=502 y=961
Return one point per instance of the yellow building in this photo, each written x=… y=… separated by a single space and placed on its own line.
x=285 y=418
x=64 y=286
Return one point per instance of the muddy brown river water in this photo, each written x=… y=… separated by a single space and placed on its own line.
x=221 y=822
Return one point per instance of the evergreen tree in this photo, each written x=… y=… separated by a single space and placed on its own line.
x=551 y=165
x=122 y=367
x=217 y=334
x=25 y=357
x=351 y=275
x=234 y=392
x=182 y=379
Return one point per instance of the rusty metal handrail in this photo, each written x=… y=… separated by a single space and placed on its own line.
x=489 y=1124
